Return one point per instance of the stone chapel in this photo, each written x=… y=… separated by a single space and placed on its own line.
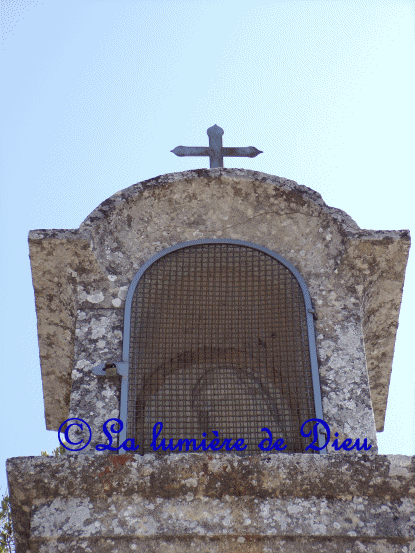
x=218 y=302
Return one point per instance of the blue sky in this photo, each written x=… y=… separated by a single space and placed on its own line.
x=95 y=94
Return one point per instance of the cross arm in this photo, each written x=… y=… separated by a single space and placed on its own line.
x=249 y=151
x=191 y=151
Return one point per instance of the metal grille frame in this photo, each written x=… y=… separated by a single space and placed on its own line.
x=125 y=409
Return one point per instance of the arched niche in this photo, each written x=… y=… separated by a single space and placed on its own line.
x=219 y=336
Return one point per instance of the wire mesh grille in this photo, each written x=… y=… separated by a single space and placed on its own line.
x=219 y=341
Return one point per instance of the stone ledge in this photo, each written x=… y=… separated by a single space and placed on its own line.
x=233 y=544
x=207 y=497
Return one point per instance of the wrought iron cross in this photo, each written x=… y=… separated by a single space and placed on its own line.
x=215 y=151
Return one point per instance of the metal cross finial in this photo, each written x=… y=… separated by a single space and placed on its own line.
x=215 y=151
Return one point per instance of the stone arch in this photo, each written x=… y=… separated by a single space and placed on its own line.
x=219 y=335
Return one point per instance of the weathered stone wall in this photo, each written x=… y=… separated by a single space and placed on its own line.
x=355 y=279
x=213 y=503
